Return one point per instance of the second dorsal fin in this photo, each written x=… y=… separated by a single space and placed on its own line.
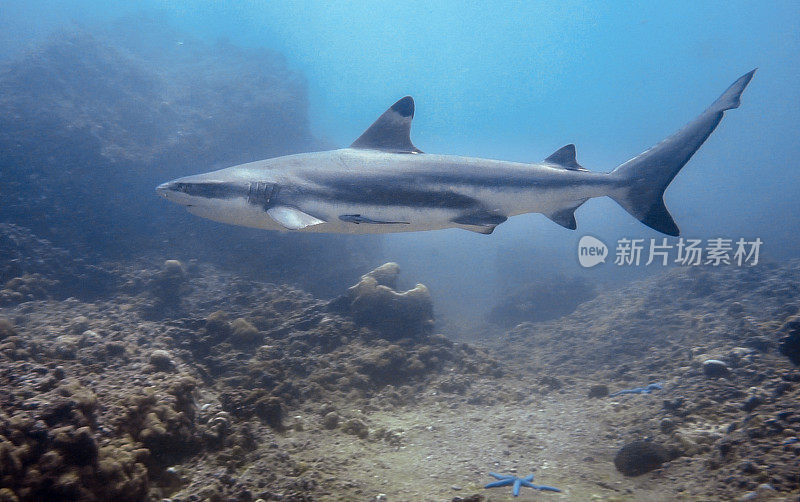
x=564 y=157
x=392 y=131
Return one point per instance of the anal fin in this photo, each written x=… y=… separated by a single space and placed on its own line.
x=292 y=218
x=566 y=216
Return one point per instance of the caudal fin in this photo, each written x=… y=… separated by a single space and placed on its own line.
x=643 y=179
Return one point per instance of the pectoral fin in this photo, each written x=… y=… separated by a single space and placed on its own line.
x=292 y=218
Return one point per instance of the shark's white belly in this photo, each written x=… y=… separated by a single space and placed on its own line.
x=238 y=211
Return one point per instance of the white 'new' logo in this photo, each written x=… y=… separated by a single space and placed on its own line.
x=591 y=251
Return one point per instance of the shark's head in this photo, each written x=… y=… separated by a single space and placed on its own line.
x=221 y=196
x=200 y=192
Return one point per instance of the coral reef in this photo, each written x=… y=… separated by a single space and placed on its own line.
x=115 y=396
x=248 y=390
x=34 y=269
x=168 y=432
x=54 y=454
x=725 y=404
x=375 y=303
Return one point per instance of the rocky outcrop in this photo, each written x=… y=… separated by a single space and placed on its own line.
x=90 y=123
x=33 y=268
x=541 y=299
x=374 y=302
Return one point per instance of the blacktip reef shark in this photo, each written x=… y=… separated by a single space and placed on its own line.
x=382 y=183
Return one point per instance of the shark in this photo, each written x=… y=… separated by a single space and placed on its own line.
x=382 y=183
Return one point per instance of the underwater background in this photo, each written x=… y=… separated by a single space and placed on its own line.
x=273 y=366
x=513 y=81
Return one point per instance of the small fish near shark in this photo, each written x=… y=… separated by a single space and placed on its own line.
x=382 y=183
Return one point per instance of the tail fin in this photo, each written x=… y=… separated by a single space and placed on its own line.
x=644 y=178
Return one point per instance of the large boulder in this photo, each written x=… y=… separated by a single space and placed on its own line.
x=375 y=302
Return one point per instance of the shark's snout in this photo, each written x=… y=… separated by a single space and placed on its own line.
x=171 y=191
x=163 y=189
x=193 y=190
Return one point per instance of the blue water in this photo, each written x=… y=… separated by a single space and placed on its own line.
x=516 y=81
x=107 y=335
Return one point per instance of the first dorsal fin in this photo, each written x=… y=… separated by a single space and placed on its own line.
x=564 y=157
x=392 y=131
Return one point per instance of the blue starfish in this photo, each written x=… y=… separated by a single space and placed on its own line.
x=638 y=390
x=505 y=480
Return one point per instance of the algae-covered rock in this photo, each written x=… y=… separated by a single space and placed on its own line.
x=374 y=302
x=271 y=411
x=639 y=457
x=161 y=360
x=244 y=333
x=27 y=287
x=163 y=429
x=65 y=463
x=330 y=420
x=8 y=495
x=390 y=365
x=79 y=325
x=385 y=275
x=174 y=268
x=714 y=368
x=356 y=427
x=598 y=390
x=77 y=446
x=76 y=406
x=6 y=328
x=33 y=268
x=217 y=326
